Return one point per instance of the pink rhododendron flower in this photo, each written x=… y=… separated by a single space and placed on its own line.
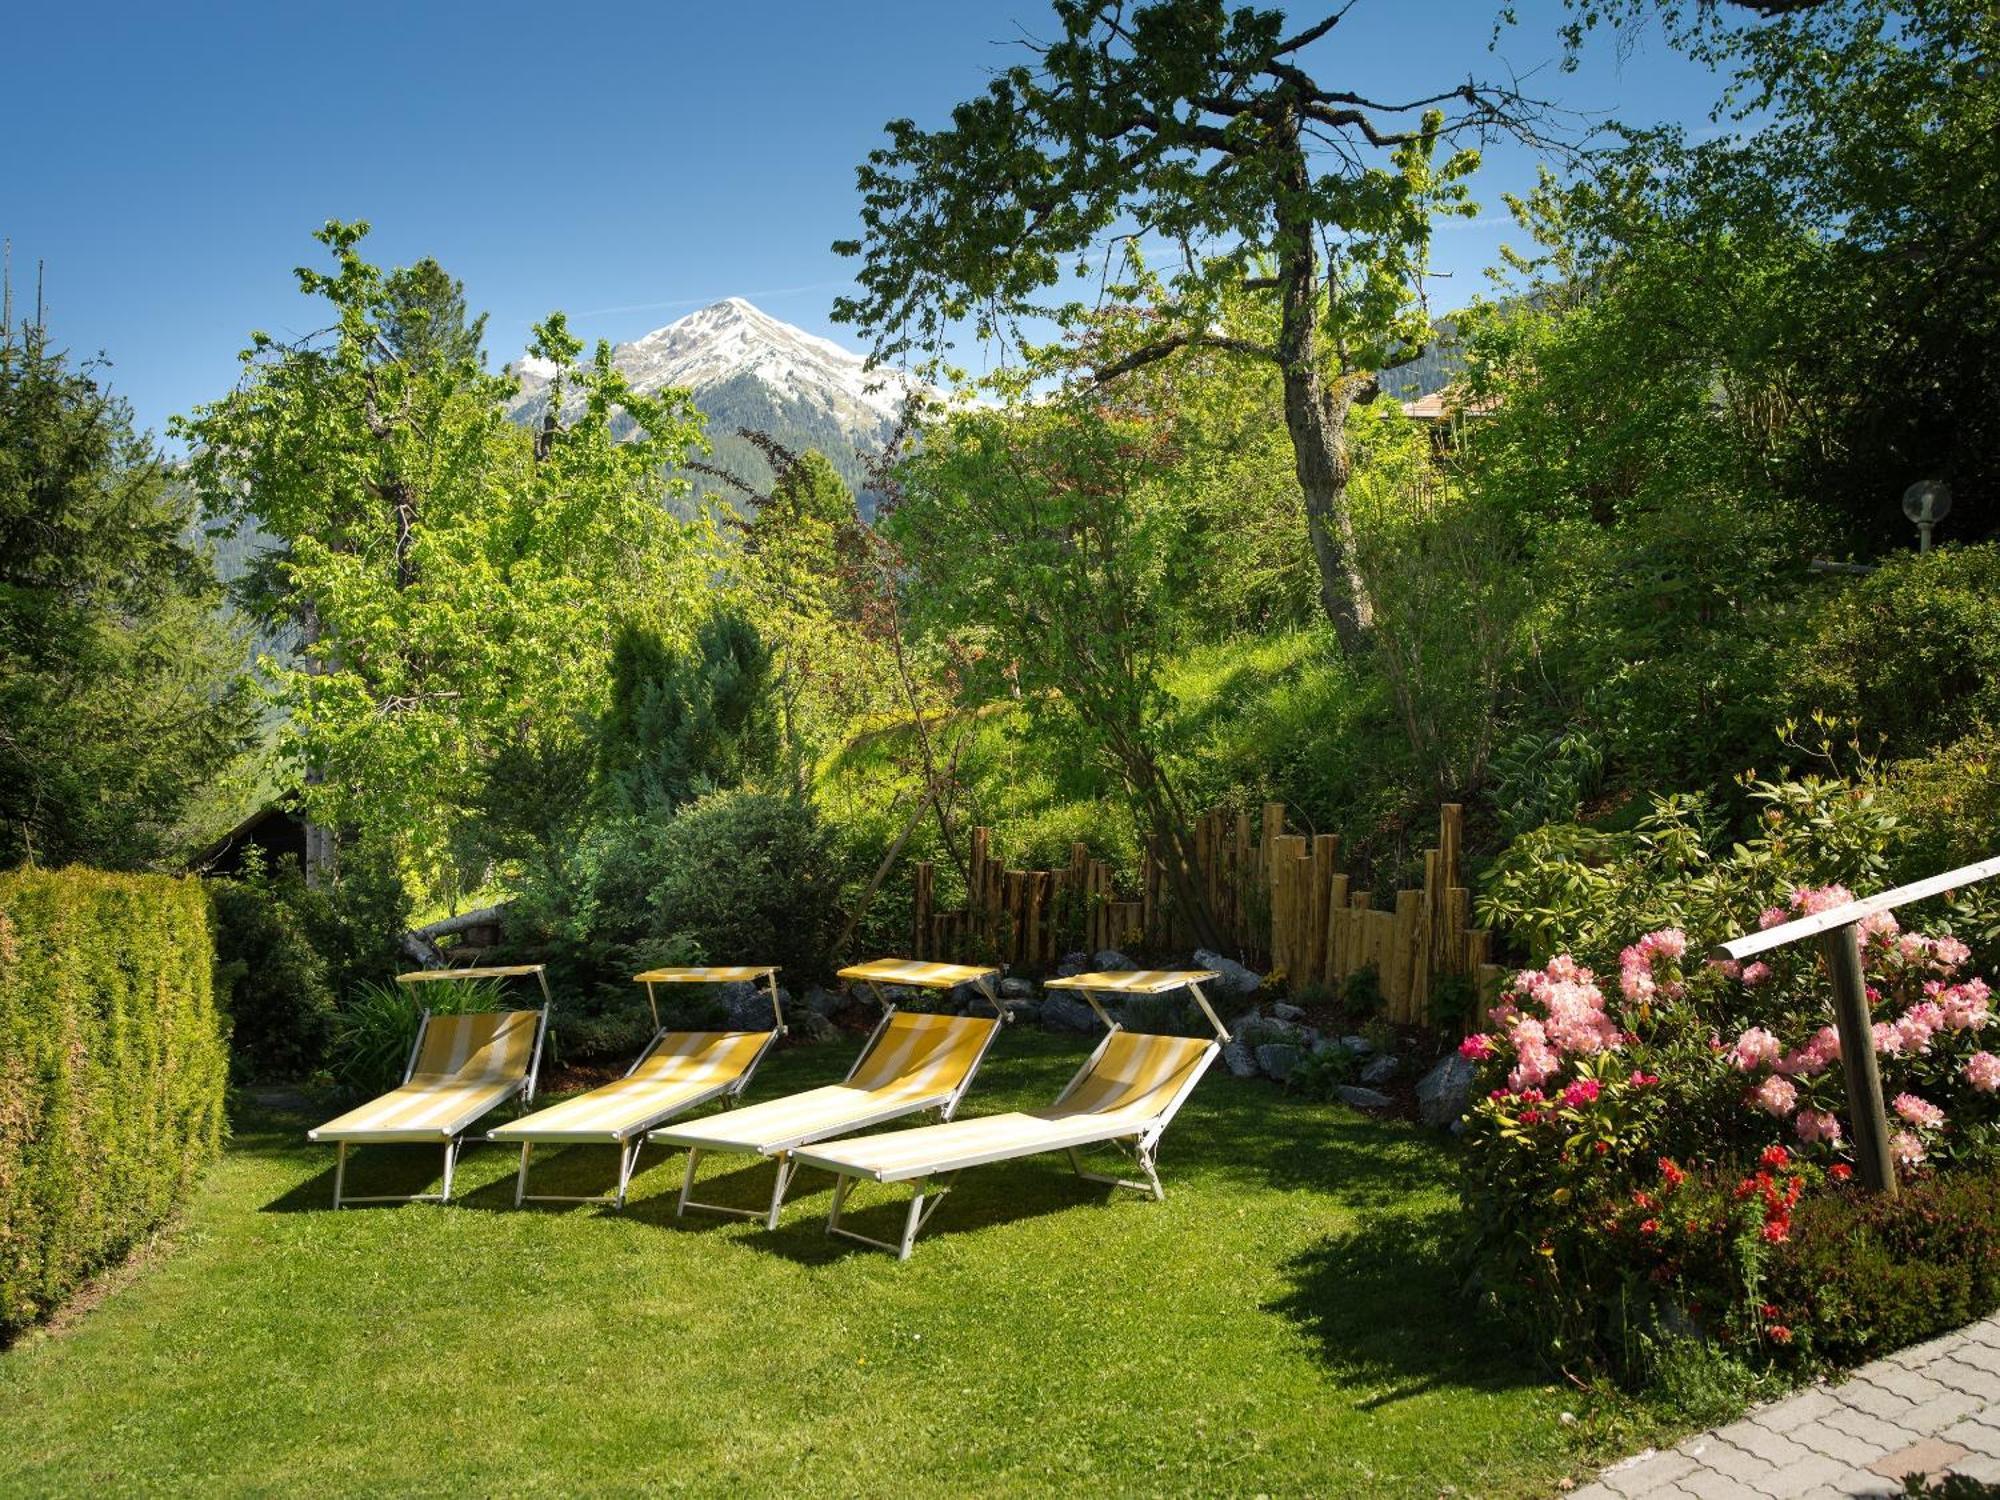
x=1817 y=1125
x=1754 y=1047
x=1881 y=926
x=1775 y=1096
x=1756 y=973
x=1906 y=1148
x=1808 y=902
x=1920 y=1023
x=1947 y=953
x=1982 y=1071
x=1771 y=916
x=1888 y=1040
x=1731 y=969
x=1582 y=1092
x=1920 y=1112
x=1477 y=1047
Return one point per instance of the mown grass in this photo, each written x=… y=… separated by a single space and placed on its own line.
x=1286 y=1322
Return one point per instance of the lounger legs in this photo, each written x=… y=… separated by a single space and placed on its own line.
x=913 y=1220
x=1143 y=1156
x=450 y=1161
x=628 y=1158
x=339 y=1172
x=769 y=1215
x=342 y=1198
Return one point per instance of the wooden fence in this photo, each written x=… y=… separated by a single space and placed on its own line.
x=1280 y=901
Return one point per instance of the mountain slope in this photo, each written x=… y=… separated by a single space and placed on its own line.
x=748 y=369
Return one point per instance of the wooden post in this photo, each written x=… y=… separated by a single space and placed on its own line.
x=1842 y=949
x=920 y=938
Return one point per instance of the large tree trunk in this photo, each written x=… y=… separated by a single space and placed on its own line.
x=1316 y=417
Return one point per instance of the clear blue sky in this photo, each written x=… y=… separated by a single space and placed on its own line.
x=624 y=163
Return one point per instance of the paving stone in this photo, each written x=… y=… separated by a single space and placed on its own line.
x=1940 y=1411
x=1712 y=1485
x=1872 y=1400
x=1650 y=1475
x=1774 y=1448
x=1929 y=1455
x=1804 y=1474
x=1950 y=1370
x=1979 y=1356
x=1796 y=1411
x=1975 y=1434
x=1592 y=1492
x=1724 y=1457
x=1851 y=1441
x=1913 y=1386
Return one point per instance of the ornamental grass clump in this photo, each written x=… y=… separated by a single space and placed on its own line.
x=1641 y=1150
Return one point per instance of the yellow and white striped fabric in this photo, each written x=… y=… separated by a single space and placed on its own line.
x=466 y=1066
x=1132 y=981
x=686 y=1067
x=917 y=1061
x=917 y=975
x=1134 y=1084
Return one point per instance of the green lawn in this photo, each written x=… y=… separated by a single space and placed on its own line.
x=1284 y=1323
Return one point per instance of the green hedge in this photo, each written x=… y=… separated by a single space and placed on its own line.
x=112 y=1066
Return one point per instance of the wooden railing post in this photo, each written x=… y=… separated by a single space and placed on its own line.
x=1842 y=948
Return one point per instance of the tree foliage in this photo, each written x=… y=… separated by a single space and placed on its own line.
x=456 y=581
x=1201 y=126
x=123 y=689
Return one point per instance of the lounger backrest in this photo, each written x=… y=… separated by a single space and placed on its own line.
x=920 y=1054
x=1136 y=1073
x=701 y=1056
x=491 y=1047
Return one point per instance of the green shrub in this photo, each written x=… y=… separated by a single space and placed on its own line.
x=1320 y=1073
x=271 y=981
x=378 y=1026
x=1863 y=1275
x=112 y=1069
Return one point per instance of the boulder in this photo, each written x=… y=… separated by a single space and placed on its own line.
x=1110 y=959
x=1072 y=965
x=749 y=1005
x=1286 y=1012
x=1231 y=977
x=1360 y=1046
x=1361 y=1098
x=1061 y=1012
x=1277 y=1059
x=1381 y=1069
x=810 y=1026
x=1016 y=989
x=825 y=1002
x=1021 y=1009
x=1444 y=1092
x=1239 y=1059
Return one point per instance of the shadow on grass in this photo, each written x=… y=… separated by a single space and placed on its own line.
x=1386 y=1307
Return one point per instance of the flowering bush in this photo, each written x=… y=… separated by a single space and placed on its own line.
x=1641 y=1149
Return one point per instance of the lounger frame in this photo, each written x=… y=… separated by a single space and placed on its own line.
x=782 y=1156
x=1143 y=1147
x=523 y=1092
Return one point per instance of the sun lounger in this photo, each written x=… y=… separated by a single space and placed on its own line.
x=1125 y=1095
x=912 y=1062
x=678 y=1071
x=461 y=1069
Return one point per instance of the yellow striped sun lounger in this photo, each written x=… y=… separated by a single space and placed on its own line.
x=1125 y=1095
x=678 y=1071
x=913 y=1062
x=461 y=1068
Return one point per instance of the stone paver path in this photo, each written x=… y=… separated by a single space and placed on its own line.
x=1928 y=1409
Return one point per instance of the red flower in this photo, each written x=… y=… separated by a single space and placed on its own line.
x=1601 y=1147
x=1530 y=1116
x=1671 y=1174
x=1777 y=1231
x=1642 y=1199
x=1650 y=1226
x=1775 y=1156
x=1840 y=1171
x=1779 y=1333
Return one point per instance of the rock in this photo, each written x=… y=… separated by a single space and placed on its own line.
x=810 y=1026
x=1021 y=1009
x=1444 y=1092
x=1072 y=965
x=1285 y=1012
x=1277 y=1059
x=1231 y=977
x=1362 y=1098
x=1360 y=1046
x=1066 y=1013
x=1016 y=989
x=749 y=1005
x=1110 y=959
x=1380 y=1069
x=825 y=1002
x=1239 y=1060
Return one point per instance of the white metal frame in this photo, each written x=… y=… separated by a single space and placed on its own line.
x=633 y=1139
x=782 y=1157
x=1144 y=1147
x=523 y=1091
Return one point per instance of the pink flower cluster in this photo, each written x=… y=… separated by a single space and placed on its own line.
x=1572 y=1020
x=1635 y=965
x=1817 y=1125
x=1946 y=1008
x=1814 y=1057
x=1917 y=1111
x=1982 y=1071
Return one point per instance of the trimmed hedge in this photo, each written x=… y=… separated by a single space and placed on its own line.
x=113 y=1061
